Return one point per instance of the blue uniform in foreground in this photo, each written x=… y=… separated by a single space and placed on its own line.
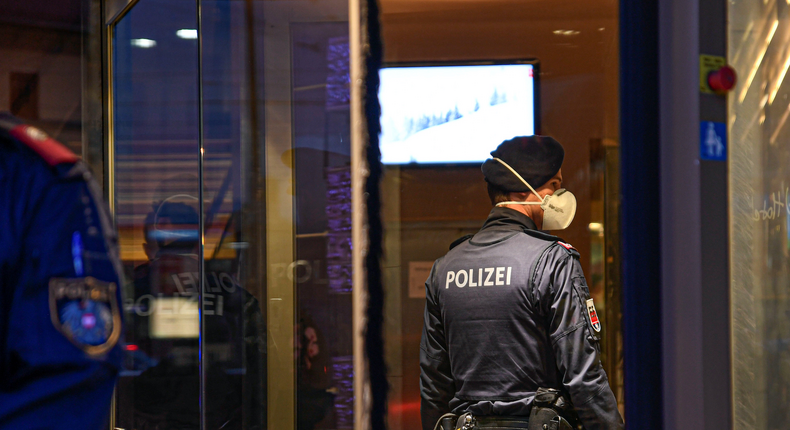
x=60 y=317
x=508 y=311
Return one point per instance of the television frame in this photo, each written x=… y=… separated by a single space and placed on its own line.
x=534 y=62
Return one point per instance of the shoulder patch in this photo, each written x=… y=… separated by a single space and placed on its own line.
x=569 y=248
x=52 y=151
x=593 y=315
x=461 y=240
x=565 y=245
x=86 y=312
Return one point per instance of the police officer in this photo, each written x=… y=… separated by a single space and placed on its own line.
x=508 y=316
x=60 y=320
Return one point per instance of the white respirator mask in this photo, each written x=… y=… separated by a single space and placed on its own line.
x=558 y=208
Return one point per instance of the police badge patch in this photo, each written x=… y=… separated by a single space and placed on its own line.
x=596 y=323
x=85 y=310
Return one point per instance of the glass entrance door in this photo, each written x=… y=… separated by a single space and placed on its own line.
x=229 y=155
x=156 y=182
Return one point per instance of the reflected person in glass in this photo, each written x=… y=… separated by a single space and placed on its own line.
x=167 y=393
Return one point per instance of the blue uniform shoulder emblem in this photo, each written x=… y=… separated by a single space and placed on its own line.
x=85 y=311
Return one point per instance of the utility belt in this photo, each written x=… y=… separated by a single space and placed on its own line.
x=468 y=421
x=550 y=411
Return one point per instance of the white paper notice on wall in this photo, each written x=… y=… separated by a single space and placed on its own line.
x=418 y=274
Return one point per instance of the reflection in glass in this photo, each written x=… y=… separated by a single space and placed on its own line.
x=156 y=210
x=234 y=327
x=322 y=272
x=759 y=156
x=271 y=345
x=51 y=71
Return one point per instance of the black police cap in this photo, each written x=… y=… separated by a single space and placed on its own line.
x=536 y=158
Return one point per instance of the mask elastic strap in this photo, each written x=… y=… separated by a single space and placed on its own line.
x=525 y=183
x=518 y=203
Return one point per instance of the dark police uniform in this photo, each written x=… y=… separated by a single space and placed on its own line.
x=60 y=321
x=506 y=314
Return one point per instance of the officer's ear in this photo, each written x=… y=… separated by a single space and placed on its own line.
x=519 y=197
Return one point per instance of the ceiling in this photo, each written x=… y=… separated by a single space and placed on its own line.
x=567 y=36
x=510 y=9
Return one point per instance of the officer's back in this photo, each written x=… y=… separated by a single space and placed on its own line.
x=495 y=327
x=511 y=333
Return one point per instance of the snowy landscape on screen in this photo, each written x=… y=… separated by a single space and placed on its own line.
x=453 y=114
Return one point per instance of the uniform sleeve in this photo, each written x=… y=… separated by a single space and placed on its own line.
x=62 y=350
x=574 y=342
x=436 y=381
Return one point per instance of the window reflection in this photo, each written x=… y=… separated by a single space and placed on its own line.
x=322 y=272
x=234 y=328
x=759 y=156
x=275 y=188
x=158 y=211
x=156 y=191
x=51 y=71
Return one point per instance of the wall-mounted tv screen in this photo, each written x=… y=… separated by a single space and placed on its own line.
x=454 y=113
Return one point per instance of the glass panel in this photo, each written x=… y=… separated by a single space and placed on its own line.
x=324 y=396
x=156 y=181
x=277 y=213
x=759 y=156
x=427 y=206
x=235 y=359
x=270 y=104
x=51 y=71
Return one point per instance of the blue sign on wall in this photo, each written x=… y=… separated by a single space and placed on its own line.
x=713 y=141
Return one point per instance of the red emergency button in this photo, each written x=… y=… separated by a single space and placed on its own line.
x=722 y=80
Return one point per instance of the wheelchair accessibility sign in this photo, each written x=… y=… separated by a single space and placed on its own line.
x=713 y=141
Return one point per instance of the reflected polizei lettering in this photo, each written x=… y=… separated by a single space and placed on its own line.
x=300 y=271
x=221 y=281
x=186 y=282
x=148 y=304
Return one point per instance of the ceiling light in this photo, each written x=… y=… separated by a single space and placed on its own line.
x=187 y=33
x=143 y=43
x=566 y=32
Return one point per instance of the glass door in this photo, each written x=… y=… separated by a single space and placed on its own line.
x=155 y=178
x=230 y=170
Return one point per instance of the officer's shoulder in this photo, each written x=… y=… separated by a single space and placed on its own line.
x=554 y=243
x=567 y=248
x=460 y=240
x=32 y=144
